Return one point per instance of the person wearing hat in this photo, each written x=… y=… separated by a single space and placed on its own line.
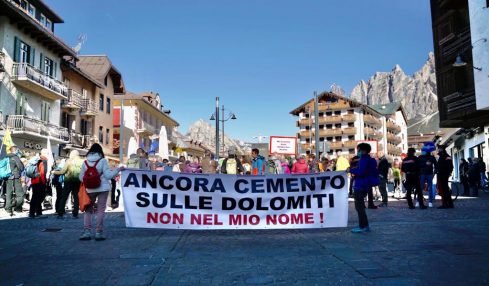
x=231 y=165
x=427 y=168
x=445 y=169
x=14 y=187
x=410 y=168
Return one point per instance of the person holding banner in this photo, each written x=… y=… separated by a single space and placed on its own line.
x=366 y=176
x=97 y=183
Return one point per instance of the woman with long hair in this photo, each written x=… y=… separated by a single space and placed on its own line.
x=96 y=159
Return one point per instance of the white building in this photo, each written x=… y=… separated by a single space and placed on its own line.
x=343 y=123
x=31 y=87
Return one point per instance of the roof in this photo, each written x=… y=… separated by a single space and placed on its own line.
x=72 y=67
x=99 y=66
x=325 y=95
x=426 y=125
x=389 y=108
x=46 y=10
x=36 y=30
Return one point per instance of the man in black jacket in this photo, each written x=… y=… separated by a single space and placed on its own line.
x=410 y=167
x=445 y=168
x=15 y=192
x=383 y=168
x=427 y=169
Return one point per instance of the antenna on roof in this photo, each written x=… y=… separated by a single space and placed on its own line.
x=82 y=38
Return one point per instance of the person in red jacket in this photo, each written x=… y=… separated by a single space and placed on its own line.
x=301 y=166
x=39 y=185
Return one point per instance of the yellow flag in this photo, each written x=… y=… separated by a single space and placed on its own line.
x=7 y=140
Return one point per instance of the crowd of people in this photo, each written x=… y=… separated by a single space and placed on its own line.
x=35 y=181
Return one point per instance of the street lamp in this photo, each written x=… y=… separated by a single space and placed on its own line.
x=215 y=116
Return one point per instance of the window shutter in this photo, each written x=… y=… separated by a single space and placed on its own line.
x=55 y=68
x=32 y=55
x=16 y=49
x=41 y=63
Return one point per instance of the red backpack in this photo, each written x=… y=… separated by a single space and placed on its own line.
x=91 y=178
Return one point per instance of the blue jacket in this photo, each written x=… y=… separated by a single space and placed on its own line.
x=365 y=173
x=258 y=166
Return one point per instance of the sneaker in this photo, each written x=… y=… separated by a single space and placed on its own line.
x=99 y=236
x=417 y=205
x=360 y=230
x=85 y=235
x=430 y=205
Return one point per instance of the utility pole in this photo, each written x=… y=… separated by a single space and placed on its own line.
x=217 y=129
x=121 y=132
x=316 y=124
x=223 y=116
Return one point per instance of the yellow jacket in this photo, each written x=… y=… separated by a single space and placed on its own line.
x=342 y=164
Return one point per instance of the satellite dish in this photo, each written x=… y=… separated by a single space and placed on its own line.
x=82 y=38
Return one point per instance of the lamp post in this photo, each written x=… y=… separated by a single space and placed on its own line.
x=215 y=116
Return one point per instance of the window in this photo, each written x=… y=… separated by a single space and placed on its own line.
x=107 y=136
x=338 y=138
x=20 y=108
x=351 y=124
x=32 y=10
x=321 y=126
x=101 y=135
x=337 y=112
x=487 y=3
x=329 y=113
x=48 y=66
x=329 y=126
x=108 y=105
x=48 y=24
x=84 y=93
x=23 y=4
x=24 y=53
x=101 y=102
x=105 y=81
x=42 y=19
x=337 y=125
x=45 y=108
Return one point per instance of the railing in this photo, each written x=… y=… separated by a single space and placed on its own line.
x=349 y=117
x=336 y=145
x=372 y=120
x=350 y=131
x=371 y=133
x=330 y=119
x=27 y=13
x=22 y=123
x=306 y=133
x=333 y=106
x=350 y=144
x=89 y=106
x=145 y=127
x=21 y=70
x=74 y=99
x=306 y=121
x=393 y=150
x=393 y=138
x=392 y=126
x=80 y=140
x=330 y=132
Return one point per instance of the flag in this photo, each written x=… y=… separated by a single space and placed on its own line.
x=50 y=156
x=7 y=140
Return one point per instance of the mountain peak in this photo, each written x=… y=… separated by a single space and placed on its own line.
x=204 y=132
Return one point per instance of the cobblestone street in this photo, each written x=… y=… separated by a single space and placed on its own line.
x=405 y=247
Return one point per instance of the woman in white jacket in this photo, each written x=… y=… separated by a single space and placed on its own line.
x=96 y=156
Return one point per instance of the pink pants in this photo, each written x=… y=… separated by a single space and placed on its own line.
x=100 y=209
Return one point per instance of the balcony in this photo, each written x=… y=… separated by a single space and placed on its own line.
x=73 y=100
x=333 y=106
x=80 y=141
x=305 y=122
x=35 y=129
x=145 y=128
x=330 y=132
x=306 y=133
x=370 y=133
x=335 y=145
x=307 y=146
x=394 y=150
x=89 y=107
x=349 y=118
x=391 y=138
x=330 y=119
x=372 y=120
x=393 y=127
x=350 y=131
x=35 y=81
x=350 y=144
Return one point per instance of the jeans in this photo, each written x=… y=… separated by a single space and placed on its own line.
x=383 y=190
x=428 y=179
x=70 y=187
x=101 y=198
x=360 y=207
x=483 y=180
x=14 y=188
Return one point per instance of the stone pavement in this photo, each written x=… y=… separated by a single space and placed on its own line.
x=405 y=247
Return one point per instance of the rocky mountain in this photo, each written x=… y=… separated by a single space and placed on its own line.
x=417 y=93
x=206 y=133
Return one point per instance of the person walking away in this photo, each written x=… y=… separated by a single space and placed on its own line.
x=71 y=172
x=383 y=168
x=427 y=168
x=474 y=178
x=482 y=169
x=396 y=175
x=193 y=167
x=301 y=166
x=445 y=169
x=464 y=176
x=246 y=164
x=208 y=164
x=96 y=174
x=258 y=164
x=353 y=164
x=231 y=165
x=410 y=167
x=14 y=196
x=57 y=183
x=366 y=176
x=39 y=182
x=341 y=162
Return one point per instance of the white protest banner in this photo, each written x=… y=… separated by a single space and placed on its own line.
x=157 y=199
x=283 y=145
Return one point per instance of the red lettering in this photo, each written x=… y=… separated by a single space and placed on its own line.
x=195 y=219
x=283 y=219
x=297 y=218
x=234 y=219
x=207 y=219
x=254 y=219
x=271 y=219
x=309 y=218
x=216 y=220
x=152 y=218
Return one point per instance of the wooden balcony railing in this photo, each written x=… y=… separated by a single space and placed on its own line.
x=372 y=120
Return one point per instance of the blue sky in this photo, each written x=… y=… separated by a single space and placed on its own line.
x=263 y=58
